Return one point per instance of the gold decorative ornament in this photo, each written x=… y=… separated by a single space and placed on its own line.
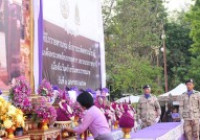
x=45 y=125
x=10 y=132
x=116 y=125
x=127 y=133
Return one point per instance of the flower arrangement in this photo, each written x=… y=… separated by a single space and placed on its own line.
x=59 y=96
x=19 y=94
x=10 y=116
x=78 y=111
x=126 y=121
x=45 y=89
x=44 y=111
x=64 y=112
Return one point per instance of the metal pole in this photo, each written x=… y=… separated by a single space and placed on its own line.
x=157 y=60
x=157 y=49
x=158 y=77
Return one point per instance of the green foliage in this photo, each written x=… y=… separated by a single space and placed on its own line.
x=194 y=71
x=132 y=29
x=178 y=57
x=194 y=18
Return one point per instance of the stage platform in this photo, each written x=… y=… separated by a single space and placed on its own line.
x=159 y=131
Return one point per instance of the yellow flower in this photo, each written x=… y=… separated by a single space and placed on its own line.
x=18 y=111
x=8 y=123
x=20 y=119
x=11 y=110
x=1 y=105
x=1 y=99
x=3 y=117
x=10 y=115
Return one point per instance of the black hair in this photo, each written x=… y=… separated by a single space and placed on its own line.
x=85 y=99
x=189 y=81
x=67 y=88
x=146 y=86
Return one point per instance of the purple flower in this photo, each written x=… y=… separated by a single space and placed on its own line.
x=92 y=92
x=74 y=88
x=89 y=90
x=0 y=92
x=126 y=121
x=105 y=90
x=45 y=89
x=20 y=93
x=27 y=102
x=45 y=111
x=55 y=87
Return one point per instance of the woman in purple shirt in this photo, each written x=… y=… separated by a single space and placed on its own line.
x=93 y=119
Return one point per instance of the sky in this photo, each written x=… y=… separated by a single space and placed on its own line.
x=172 y=6
x=178 y=5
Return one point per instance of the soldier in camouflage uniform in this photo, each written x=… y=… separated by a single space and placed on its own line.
x=148 y=110
x=190 y=111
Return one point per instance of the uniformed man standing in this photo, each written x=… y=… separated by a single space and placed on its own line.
x=148 y=110
x=189 y=109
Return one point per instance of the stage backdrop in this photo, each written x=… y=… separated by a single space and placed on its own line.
x=73 y=47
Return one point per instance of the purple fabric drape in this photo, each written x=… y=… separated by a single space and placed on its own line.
x=154 y=131
x=40 y=39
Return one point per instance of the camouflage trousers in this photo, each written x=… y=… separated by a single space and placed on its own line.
x=191 y=129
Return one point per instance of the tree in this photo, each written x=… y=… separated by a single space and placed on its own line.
x=132 y=29
x=194 y=18
x=178 y=44
x=194 y=71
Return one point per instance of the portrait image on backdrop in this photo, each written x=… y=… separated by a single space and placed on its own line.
x=15 y=41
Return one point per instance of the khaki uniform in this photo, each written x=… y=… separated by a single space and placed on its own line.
x=189 y=110
x=148 y=110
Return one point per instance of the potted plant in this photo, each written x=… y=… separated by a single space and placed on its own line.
x=19 y=96
x=45 y=113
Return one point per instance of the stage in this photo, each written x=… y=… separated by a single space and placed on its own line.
x=160 y=131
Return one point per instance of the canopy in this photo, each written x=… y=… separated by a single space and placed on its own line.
x=180 y=89
x=133 y=99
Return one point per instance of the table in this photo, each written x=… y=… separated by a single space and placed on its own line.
x=26 y=137
x=51 y=133
x=117 y=134
x=160 y=131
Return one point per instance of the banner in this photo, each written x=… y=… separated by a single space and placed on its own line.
x=71 y=43
x=15 y=57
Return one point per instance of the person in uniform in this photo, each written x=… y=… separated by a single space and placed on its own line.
x=148 y=110
x=189 y=110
